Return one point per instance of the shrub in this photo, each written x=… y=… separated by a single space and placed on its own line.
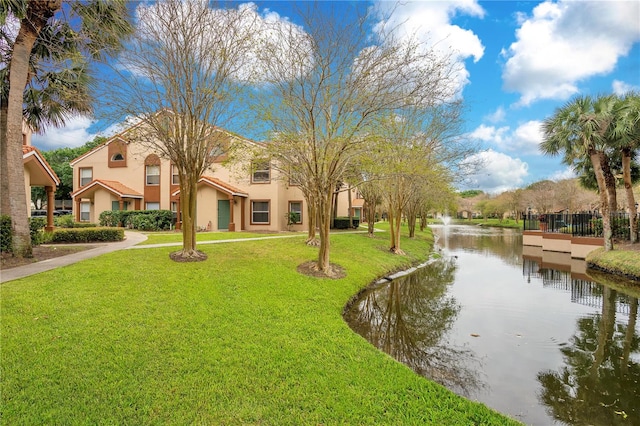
x=5 y=233
x=149 y=220
x=343 y=222
x=36 y=230
x=87 y=235
x=65 y=221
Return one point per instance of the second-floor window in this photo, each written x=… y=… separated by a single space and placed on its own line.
x=261 y=172
x=175 y=177
x=86 y=176
x=153 y=175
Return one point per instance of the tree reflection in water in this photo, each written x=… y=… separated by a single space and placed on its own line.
x=408 y=317
x=599 y=384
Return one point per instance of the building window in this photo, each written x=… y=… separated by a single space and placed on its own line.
x=174 y=206
x=85 y=212
x=261 y=172
x=152 y=206
x=86 y=176
x=153 y=175
x=175 y=177
x=117 y=157
x=260 y=212
x=295 y=210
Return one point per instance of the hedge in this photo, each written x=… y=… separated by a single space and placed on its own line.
x=343 y=222
x=36 y=231
x=144 y=220
x=87 y=235
x=5 y=233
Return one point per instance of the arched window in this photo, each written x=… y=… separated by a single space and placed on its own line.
x=117 y=157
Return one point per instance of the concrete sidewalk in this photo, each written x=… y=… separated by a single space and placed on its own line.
x=131 y=239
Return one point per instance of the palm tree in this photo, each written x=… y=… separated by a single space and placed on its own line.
x=626 y=137
x=93 y=30
x=578 y=130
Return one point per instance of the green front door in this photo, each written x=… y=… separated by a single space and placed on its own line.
x=223 y=214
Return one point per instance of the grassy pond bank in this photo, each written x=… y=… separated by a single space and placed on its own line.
x=131 y=337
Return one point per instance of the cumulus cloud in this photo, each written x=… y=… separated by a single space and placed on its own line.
x=567 y=173
x=496 y=172
x=73 y=134
x=565 y=42
x=621 y=88
x=497 y=116
x=523 y=140
x=431 y=22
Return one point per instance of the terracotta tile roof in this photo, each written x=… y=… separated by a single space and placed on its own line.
x=219 y=185
x=111 y=185
x=28 y=150
x=217 y=182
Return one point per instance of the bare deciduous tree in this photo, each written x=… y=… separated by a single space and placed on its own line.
x=182 y=75
x=321 y=100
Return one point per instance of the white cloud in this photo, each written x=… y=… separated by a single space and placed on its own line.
x=497 y=172
x=489 y=134
x=431 y=22
x=621 y=88
x=566 y=42
x=523 y=140
x=567 y=173
x=497 y=116
x=73 y=134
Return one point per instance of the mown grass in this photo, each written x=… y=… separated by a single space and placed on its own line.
x=176 y=236
x=242 y=338
x=622 y=262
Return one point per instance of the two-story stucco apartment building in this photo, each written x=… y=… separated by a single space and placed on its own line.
x=121 y=174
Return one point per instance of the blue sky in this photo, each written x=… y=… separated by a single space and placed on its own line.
x=521 y=60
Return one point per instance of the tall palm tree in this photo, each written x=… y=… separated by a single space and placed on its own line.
x=91 y=30
x=626 y=137
x=577 y=130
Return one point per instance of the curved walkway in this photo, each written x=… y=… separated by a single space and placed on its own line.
x=131 y=239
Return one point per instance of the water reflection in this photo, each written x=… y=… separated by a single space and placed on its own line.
x=408 y=318
x=599 y=381
x=557 y=345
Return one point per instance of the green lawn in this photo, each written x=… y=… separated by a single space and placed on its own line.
x=176 y=237
x=133 y=338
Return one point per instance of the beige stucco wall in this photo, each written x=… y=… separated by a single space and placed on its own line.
x=277 y=191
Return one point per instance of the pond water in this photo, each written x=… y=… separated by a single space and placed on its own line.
x=528 y=334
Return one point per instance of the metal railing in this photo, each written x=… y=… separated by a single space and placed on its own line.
x=583 y=224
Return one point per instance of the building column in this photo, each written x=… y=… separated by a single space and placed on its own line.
x=51 y=204
x=77 y=209
x=178 y=215
x=232 y=225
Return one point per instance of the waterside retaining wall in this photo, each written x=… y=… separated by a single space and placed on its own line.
x=577 y=247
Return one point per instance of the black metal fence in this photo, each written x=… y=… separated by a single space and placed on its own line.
x=583 y=224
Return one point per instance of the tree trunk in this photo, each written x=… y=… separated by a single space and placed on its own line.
x=324 y=216
x=610 y=182
x=596 y=160
x=631 y=202
x=38 y=12
x=5 y=207
x=370 y=212
x=188 y=206
x=312 y=214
